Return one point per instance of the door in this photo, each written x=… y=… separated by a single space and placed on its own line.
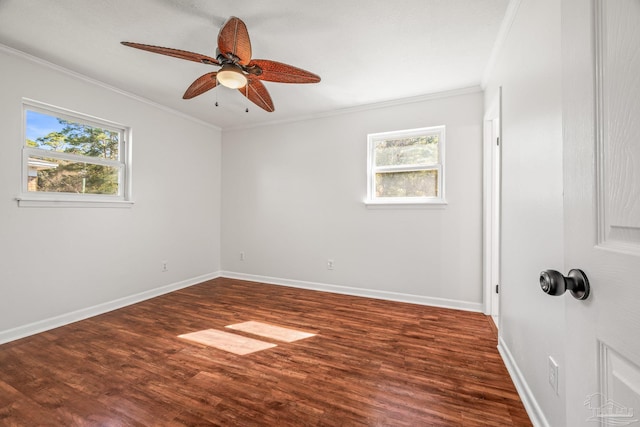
x=495 y=219
x=492 y=167
x=601 y=136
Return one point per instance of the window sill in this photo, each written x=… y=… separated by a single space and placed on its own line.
x=34 y=202
x=406 y=204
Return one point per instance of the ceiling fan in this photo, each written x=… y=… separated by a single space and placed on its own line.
x=238 y=70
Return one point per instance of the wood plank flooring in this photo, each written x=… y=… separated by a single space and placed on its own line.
x=372 y=363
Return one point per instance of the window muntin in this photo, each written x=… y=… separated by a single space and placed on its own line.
x=406 y=166
x=72 y=157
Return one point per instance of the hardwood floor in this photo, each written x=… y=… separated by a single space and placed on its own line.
x=372 y=363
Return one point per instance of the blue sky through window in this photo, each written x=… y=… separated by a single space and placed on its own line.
x=39 y=125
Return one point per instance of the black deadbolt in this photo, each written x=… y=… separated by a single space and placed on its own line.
x=554 y=283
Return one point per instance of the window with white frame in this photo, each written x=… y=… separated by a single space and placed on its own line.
x=406 y=166
x=73 y=157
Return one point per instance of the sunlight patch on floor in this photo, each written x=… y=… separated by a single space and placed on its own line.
x=241 y=345
x=226 y=341
x=274 y=332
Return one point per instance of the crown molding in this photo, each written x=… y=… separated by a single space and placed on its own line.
x=503 y=33
x=324 y=114
x=82 y=77
x=364 y=107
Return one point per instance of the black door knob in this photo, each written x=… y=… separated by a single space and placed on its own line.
x=554 y=283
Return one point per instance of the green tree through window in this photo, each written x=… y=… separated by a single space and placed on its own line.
x=78 y=177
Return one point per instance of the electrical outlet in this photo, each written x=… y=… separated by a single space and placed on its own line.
x=241 y=256
x=165 y=266
x=553 y=374
x=330 y=264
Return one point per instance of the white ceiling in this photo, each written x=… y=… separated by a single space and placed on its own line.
x=365 y=51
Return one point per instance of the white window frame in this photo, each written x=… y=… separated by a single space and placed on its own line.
x=59 y=199
x=372 y=169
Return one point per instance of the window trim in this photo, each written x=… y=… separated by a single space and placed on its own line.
x=53 y=199
x=373 y=201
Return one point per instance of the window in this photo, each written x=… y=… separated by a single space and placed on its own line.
x=406 y=166
x=70 y=157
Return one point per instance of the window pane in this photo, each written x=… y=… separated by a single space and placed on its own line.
x=417 y=150
x=407 y=184
x=55 y=134
x=64 y=176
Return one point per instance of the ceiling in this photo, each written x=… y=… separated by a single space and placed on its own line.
x=365 y=51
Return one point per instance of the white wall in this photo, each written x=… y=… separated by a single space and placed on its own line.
x=293 y=198
x=58 y=264
x=532 y=323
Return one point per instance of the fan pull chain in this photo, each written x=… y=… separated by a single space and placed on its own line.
x=246 y=95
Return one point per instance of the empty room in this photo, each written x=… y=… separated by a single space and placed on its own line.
x=337 y=213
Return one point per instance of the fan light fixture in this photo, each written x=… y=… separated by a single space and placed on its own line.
x=231 y=76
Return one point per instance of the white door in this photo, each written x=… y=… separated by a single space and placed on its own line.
x=495 y=219
x=492 y=186
x=601 y=119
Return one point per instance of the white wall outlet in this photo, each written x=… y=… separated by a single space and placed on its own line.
x=165 y=266
x=553 y=374
x=242 y=256
x=330 y=264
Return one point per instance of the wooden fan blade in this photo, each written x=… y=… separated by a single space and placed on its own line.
x=176 y=53
x=258 y=94
x=201 y=85
x=273 y=71
x=234 y=39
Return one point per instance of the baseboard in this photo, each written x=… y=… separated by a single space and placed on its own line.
x=528 y=400
x=74 y=316
x=360 y=292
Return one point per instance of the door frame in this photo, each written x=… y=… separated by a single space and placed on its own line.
x=492 y=167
